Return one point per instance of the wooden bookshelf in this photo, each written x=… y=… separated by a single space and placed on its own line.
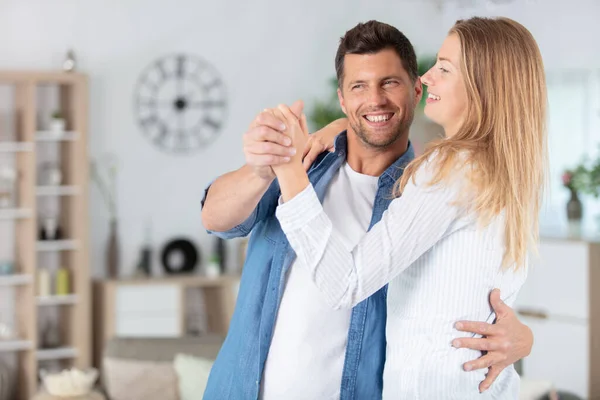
x=72 y=195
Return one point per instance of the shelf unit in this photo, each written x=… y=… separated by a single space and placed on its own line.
x=15 y=345
x=16 y=147
x=15 y=279
x=59 y=353
x=57 y=300
x=15 y=213
x=57 y=245
x=74 y=309
x=49 y=136
x=65 y=190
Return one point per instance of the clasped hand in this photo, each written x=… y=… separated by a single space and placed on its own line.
x=296 y=129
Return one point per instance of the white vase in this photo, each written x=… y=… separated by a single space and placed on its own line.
x=50 y=226
x=213 y=269
x=54 y=176
x=57 y=126
x=43 y=282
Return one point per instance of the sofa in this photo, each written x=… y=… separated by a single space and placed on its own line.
x=177 y=369
x=158 y=368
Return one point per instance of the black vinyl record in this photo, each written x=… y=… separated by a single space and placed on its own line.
x=180 y=256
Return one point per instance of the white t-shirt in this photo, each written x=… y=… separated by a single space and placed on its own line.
x=307 y=352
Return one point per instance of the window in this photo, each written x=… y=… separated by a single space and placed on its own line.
x=573 y=132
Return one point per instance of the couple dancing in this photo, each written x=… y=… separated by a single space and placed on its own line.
x=371 y=273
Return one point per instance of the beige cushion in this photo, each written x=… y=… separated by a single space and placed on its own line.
x=192 y=373
x=163 y=349
x=140 y=380
x=91 y=396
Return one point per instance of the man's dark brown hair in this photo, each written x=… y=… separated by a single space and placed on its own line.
x=372 y=37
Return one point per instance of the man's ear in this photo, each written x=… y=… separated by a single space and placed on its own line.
x=418 y=91
x=341 y=99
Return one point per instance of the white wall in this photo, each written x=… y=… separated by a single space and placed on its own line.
x=566 y=31
x=266 y=51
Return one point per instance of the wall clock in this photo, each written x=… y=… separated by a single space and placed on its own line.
x=180 y=103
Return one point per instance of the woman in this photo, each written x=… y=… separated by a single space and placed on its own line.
x=463 y=221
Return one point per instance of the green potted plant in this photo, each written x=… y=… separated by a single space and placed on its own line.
x=57 y=123
x=583 y=179
x=213 y=268
x=326 y=111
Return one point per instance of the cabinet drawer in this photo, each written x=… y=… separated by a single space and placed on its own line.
x=557 y=283
x=560 y=354
x=156 y=325
x=147 y=298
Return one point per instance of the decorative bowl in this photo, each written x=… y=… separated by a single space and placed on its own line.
x=69 y=383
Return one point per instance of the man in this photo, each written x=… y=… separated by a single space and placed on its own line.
x=284 y=342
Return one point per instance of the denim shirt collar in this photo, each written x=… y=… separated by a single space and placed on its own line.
x=392 y=173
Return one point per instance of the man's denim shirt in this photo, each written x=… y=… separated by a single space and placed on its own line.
x=237 y=371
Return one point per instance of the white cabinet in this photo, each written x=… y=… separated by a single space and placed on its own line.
x=560 y=355
x=558 y=280
x=148 y=311
x=157 y=307
x=559 y=304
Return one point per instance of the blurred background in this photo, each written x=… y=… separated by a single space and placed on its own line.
x=115 y=116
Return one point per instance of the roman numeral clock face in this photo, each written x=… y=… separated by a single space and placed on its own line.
x=180 y=103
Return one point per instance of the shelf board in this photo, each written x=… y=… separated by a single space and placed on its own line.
x=15 y=345
x=50 y=136
x=57 y=300
x=56 y=245
x=57 y=190
x=58 y=353
x=15 y=213
x=15 y=147
x=191 y=280
x=43 y=77
x=15 y=279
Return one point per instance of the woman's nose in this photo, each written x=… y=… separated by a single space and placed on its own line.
x=426 y=79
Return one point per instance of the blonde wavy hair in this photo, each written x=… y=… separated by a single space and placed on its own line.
x=504 y=132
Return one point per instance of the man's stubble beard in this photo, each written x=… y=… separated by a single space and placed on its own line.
x=398 y=131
